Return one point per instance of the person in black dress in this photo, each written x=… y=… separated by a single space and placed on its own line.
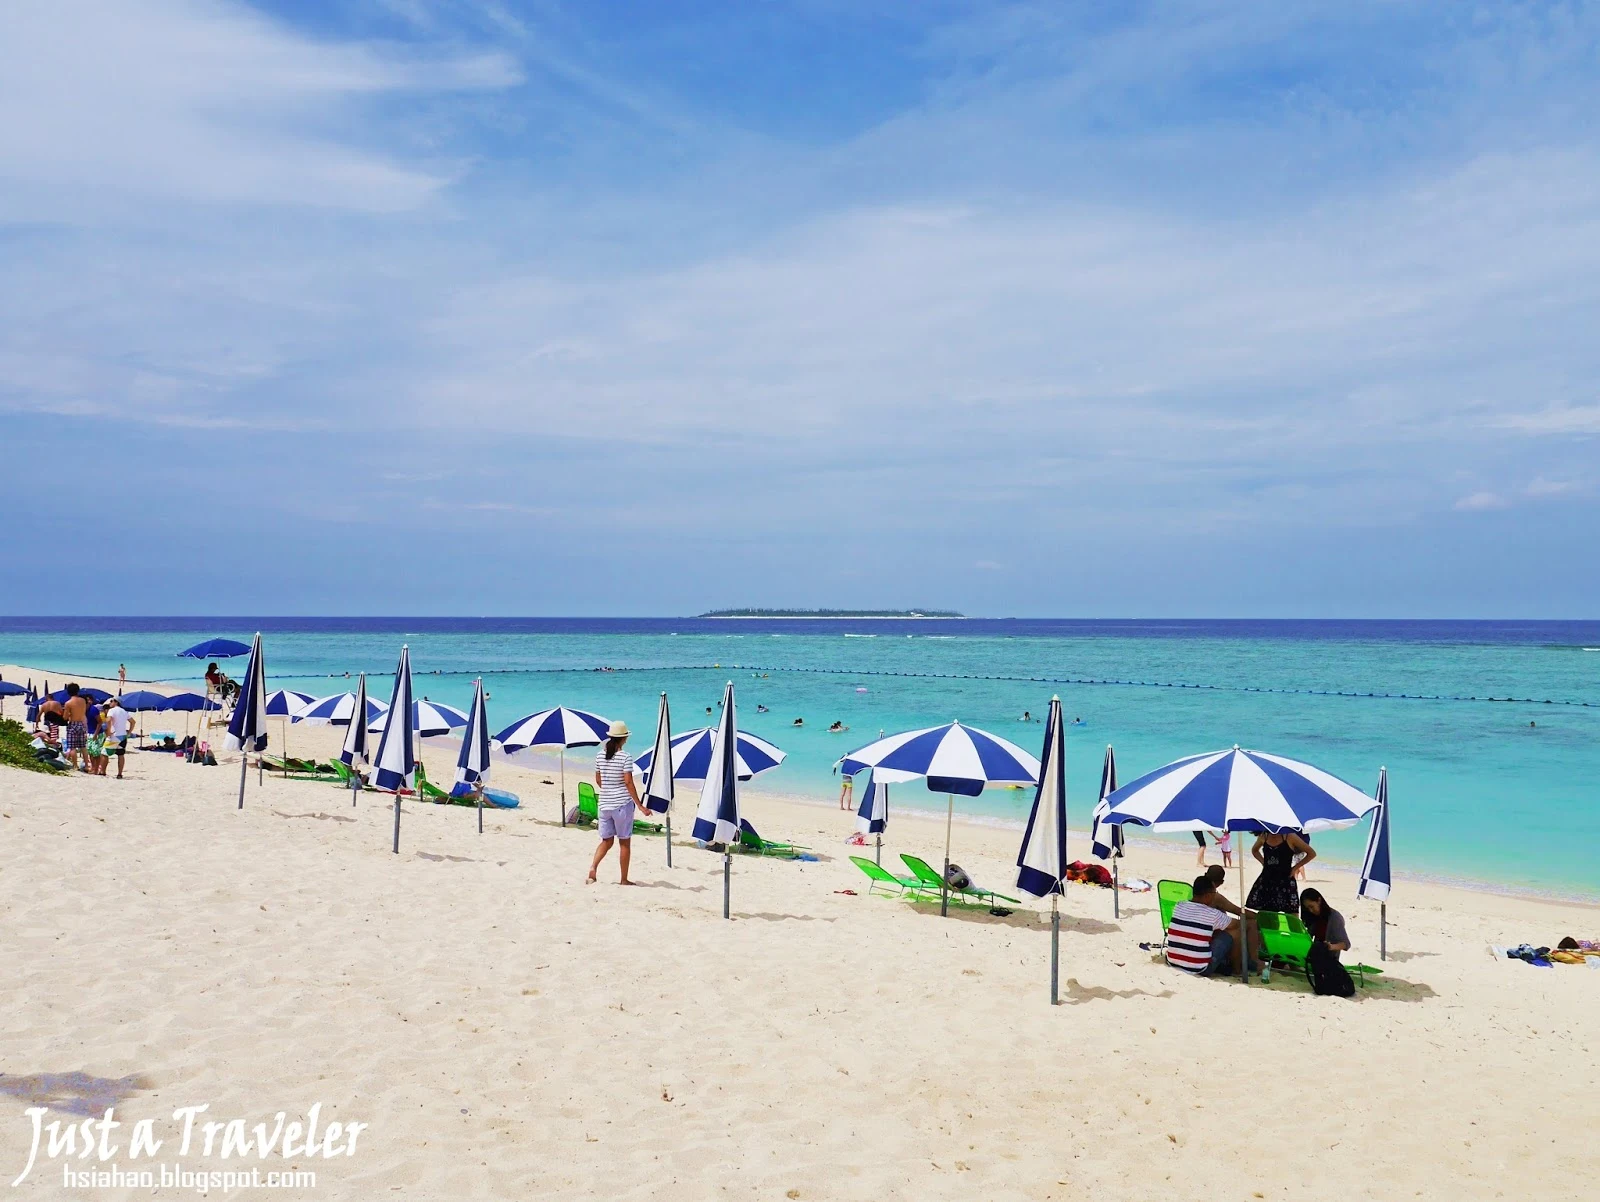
x=1279 y=855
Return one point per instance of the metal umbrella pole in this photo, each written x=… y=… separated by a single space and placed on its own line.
x=1055 y=949
x=944 y=882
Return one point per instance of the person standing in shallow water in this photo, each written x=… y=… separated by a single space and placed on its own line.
x=613 y=776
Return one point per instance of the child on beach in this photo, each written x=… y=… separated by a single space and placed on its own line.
x=1225 y=846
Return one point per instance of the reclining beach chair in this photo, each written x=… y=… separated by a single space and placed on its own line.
x=933 y=883
x=291 y=768
x=750 y=841
x=882 y=877
x=1288 y=943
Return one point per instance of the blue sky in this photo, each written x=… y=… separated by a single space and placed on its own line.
x=1121 y=309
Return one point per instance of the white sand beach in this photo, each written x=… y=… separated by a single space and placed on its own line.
x=505 y=1030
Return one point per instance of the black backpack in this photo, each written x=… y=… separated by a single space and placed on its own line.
x=1326 y=974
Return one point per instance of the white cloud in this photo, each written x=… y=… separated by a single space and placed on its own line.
x=1557 y=419
x=1479 y=502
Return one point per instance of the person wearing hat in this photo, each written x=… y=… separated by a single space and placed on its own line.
x=613 y=776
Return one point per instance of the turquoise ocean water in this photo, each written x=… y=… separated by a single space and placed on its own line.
x=1477 y=792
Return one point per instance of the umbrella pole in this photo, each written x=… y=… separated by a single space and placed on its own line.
x=1055 y=949
x=1244 y=926
x=944 y=883
x=244 y=768
x=727 y=877
x=1116 y=900
x=563 y=786
x=1383 y=930
x=480 y=809
x=877 y=851
x=397 y=824
x=669 y=838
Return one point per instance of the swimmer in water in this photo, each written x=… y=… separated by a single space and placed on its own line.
x=837 y=728
x=761 y=709
x=799 y=722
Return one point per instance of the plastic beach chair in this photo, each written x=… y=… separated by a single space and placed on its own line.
x=1168 y=895
x=750 y=841
x=882 y=877
x=589 y=812
x=294 y=769
x=934 y=884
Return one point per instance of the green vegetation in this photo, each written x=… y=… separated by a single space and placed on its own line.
x=15 y=749
x=831 y=613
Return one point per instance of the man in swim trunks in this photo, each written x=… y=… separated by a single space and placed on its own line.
x=76 y=711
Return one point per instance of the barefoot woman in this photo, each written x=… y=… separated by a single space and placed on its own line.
x=613 y=776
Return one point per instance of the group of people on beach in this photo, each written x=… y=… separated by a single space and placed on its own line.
x=86 y=734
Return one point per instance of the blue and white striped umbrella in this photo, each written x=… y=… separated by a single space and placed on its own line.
x=286 y=703
x=952 y=759
x=429 y=719
x=658 y=789
x=1375 y=875
x=472 y=765
x=357 y=744
x=1042 y=858
x=691 y=755
x=872 y=815
x=1238 y=790
x=1105 y=840
x=338 y=709
x=559 y=727
x=396 y=761
x=717 y=820
x=247 y=728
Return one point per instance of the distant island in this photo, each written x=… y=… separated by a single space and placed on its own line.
x=831 y=613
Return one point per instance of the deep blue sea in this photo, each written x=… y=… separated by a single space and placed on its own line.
x=1490 y=730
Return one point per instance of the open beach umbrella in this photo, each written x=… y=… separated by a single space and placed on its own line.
x=1238 y=790
x=952 y=759
x=429 y=719
x=1042 y=858
x=717 y=820
x=188 y=703
x=338 y=709
x=559 y=727
x=872 y=815
x=144 y=701
x=284 y=704
x=357 y=744
x=215 y=649
x=691 y=755
x=1375 y=875
x=96 y=695
x=247 y=728
x=658 y=789
x=1106 y=841
x=396 y=763
x=472 y=764
x=7 y=689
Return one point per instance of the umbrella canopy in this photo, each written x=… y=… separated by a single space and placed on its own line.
x=396 y=762
x=286 y=703
x=188 y=702
x=428 y=719
x=89 y=691
x=559 y=727
x=215 y=649
x=1106 y=840
x=1375 y=867
x=717 y=820
x=872 y=815
x=356 y=718
x=338 y=709
x=1238 y=790
x=247 y=727
x=658 y=790
x=142 y=700
x=472 y=765
x=691 y=755
x=952 y=758
x=7 y=689
x=1042 y=858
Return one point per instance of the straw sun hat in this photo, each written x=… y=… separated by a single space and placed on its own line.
x=619 y=730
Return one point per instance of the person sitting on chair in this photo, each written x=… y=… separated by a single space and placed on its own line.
x=1202 y=937
x=1323 y=922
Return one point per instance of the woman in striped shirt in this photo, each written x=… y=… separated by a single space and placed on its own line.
x=613 y=776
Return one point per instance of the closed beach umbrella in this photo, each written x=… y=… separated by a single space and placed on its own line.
x=658 y=790
x=1238 y=790
x=560 y=728
x=691 y=755
x=1375 y=876
x=429 y=719
x=357 y=715
x=872 y=815
x=340 y=708
x=952 y=759
x=396 y=762
x=472 y=764
x=1105 y=841
x=247 y=728
x=717 y=820
x=1042 y=858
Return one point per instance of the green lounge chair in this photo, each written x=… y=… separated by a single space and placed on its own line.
x=589 y=812
x=293 y=769
x=934 y=884
x=428 y=791
x=1288 y=943
x=1168 y=895
x=342 y=774
x=749 y=840
x=902 y=885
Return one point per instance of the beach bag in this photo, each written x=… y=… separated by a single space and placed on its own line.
x=956 y=877
x=1326 y=974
